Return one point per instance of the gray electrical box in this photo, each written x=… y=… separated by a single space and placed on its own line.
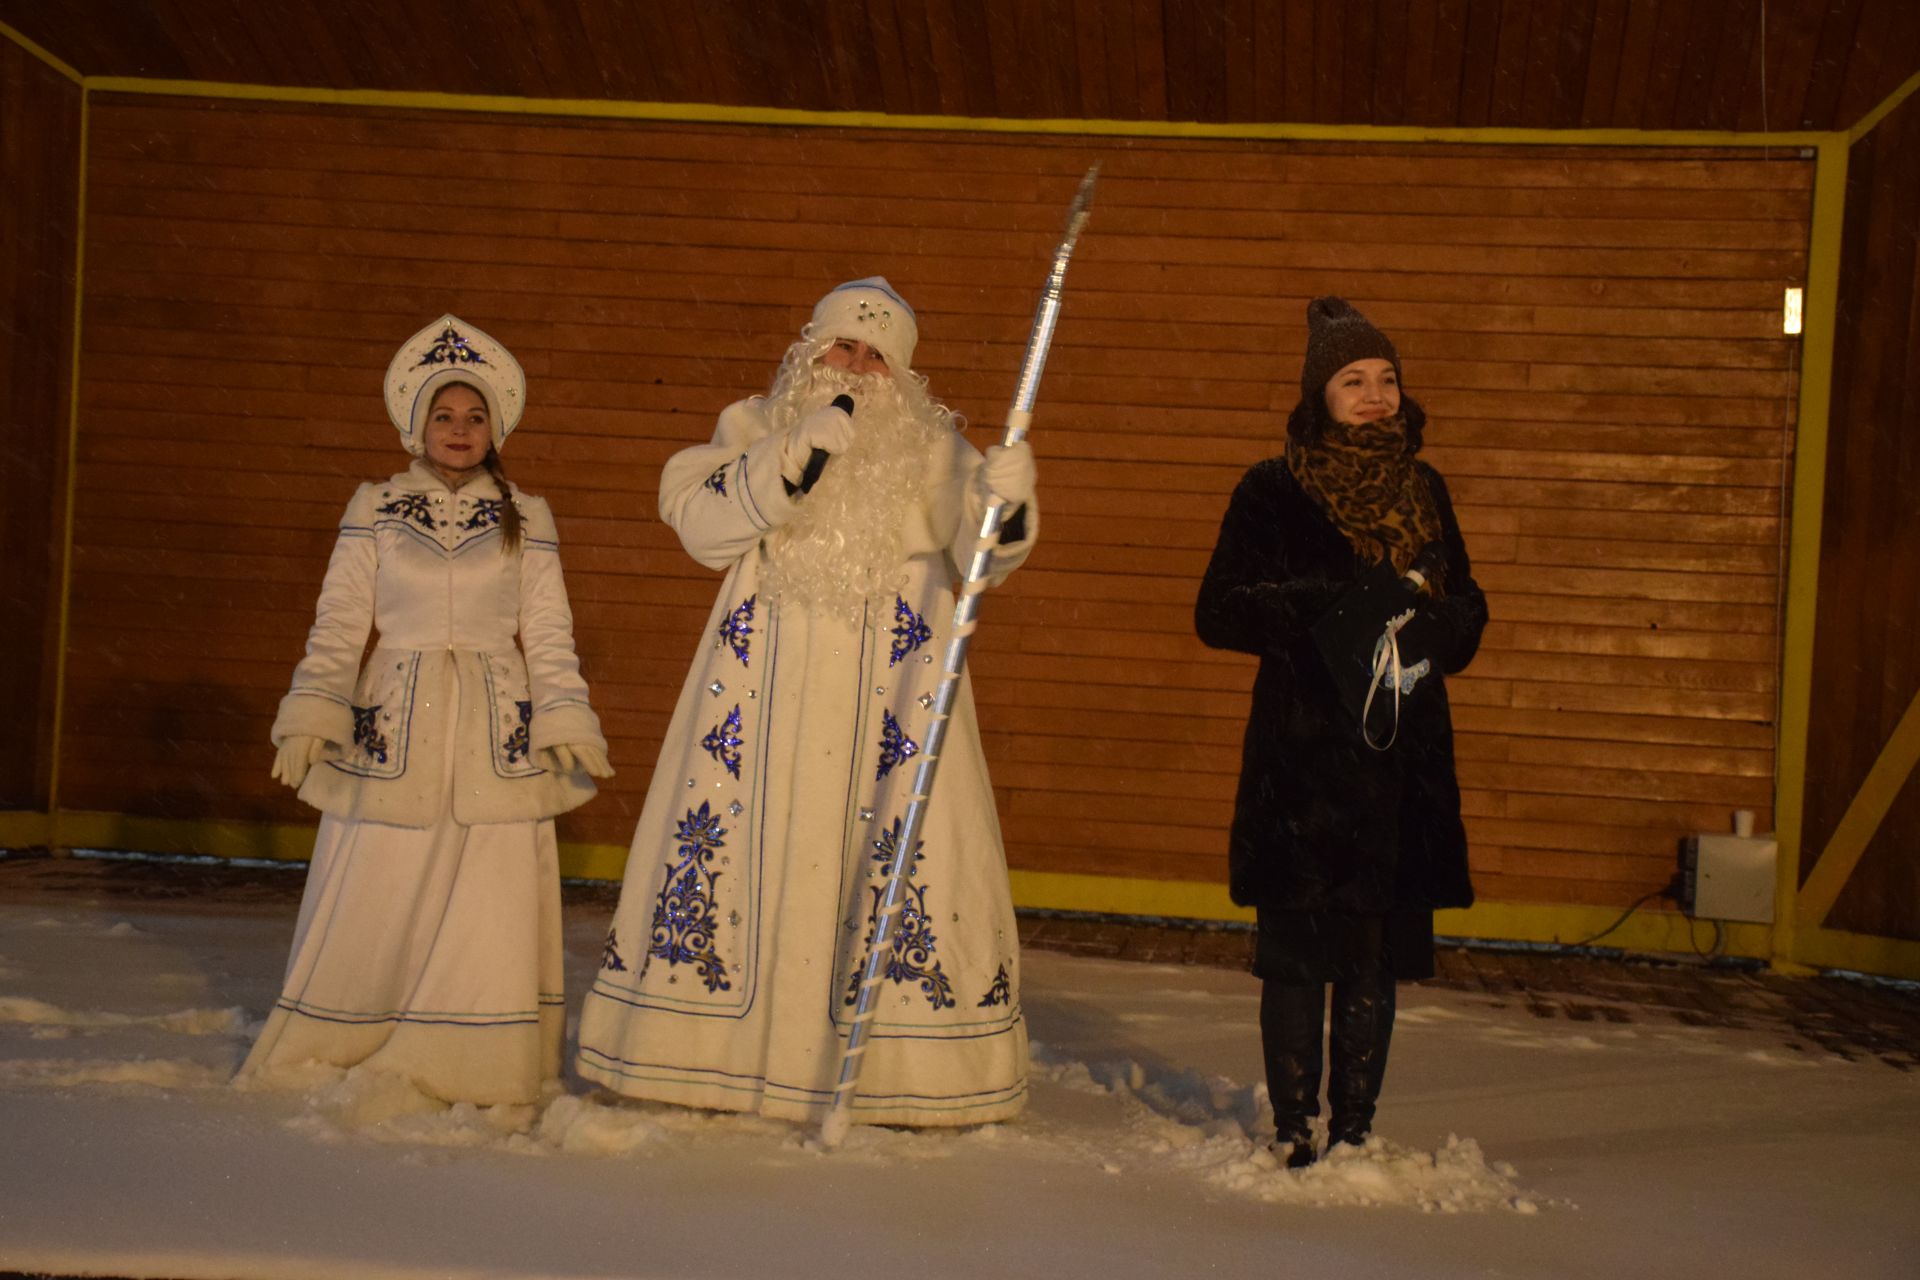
x=1729 y=877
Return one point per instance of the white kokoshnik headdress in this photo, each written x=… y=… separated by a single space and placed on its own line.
x=451 y=350
x=874 y=313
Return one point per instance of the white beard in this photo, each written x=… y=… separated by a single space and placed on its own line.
x=846 y=545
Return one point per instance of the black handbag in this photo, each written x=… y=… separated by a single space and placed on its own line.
x=1356 y=639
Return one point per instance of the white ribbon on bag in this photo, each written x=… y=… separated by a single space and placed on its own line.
x=1389 y=673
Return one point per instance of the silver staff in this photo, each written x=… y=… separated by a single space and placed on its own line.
x=966 y=614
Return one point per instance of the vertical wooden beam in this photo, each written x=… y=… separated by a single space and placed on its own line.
x=1803 y=557
x=72 y=468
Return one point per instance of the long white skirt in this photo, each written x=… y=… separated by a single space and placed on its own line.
x=433 y=954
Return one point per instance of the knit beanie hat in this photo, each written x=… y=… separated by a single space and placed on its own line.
x=871 y=311
x=1337 y=335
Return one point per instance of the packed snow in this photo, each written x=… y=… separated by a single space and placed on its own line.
x=1507 y=1144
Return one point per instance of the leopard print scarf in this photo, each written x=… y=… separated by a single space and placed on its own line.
x=1363 y=477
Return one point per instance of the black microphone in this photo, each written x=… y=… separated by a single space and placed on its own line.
x=817 y=460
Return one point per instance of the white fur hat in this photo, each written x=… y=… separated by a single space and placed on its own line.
x=871 y=311
x=451 y=350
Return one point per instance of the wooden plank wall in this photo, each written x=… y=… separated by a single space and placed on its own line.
x=1752 y=65
x=1595 y=333
x=39 y=221
x=1867 y=640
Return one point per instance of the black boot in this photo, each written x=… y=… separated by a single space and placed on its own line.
x=1290 y=1016
x=1362 y=1026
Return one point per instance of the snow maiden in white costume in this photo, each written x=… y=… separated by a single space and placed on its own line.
x=728 y=977
x=428 y=943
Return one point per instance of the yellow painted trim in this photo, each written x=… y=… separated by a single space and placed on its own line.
x=52 y=60
x=1115 y=895
x=1863 y=817
x=713 y=113
x=1803 y=547
x=592 y=861
x=23 y=829
x=1646 y=930
x=73 y=470
x=206 y=837
x=1862 y=953
x=1870 y=121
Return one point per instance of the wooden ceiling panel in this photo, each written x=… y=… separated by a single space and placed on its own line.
x=1639 y=64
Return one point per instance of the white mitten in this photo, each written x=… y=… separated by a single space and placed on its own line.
x=298 y=754
x=578 y=757
x=1009 y=474
x=825 y=428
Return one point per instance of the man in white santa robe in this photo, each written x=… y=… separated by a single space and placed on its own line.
x=729 y=975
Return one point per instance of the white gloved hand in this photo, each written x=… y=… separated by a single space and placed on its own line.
x=577 y=757
x=298 y=754
x=1009 y=474
x=825 y=428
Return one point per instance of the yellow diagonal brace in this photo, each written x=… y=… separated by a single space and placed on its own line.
x=1862 y=819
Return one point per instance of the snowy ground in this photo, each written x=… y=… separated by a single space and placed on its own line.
x=1596 y=1149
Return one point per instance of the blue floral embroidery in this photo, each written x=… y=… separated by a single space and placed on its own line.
x=1001 y=992
x=910 y=955
x=717 y=481
x=517 y=744
x=450 y=349
x=895 y=745
x=610 y=954
x=737 y=626
x=366 y=735
x=486 y=514
x=684 y=919
x=910 y=631
x=723 y=741
x=409 y=506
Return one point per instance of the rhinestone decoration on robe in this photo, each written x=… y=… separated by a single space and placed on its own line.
x=486 y=514
x=610 y=954
x=685 y=918
x=450 y=349
x=737 y=626
x=895 y=746
x=517 y=744
x=910 y=955
x=723 y=741
x=1001 y=992
x=366 y=734
x=411 y=507
x=717 y=482
x=910 y=631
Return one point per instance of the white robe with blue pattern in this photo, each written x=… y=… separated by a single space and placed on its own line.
x=727 y=977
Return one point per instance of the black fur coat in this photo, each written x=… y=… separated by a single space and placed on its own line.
x=1322 y=822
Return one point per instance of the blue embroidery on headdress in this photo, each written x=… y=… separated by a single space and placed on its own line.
x=910 y=955
x=895 y=745
x=717 y=481
x=684 y=919
x=450 y=348
x=409 y=506
x=723 y=741
x=736 y=627
x=610 y=954
x=518 y=743
x=366 y=736
x=1001 y=992
x=910 y=631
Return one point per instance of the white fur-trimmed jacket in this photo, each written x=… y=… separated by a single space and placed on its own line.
x=423 y=565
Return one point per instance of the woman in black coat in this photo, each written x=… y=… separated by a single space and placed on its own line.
x=1344 y=849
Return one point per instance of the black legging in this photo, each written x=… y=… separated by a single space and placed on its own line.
x=1362 y=1029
